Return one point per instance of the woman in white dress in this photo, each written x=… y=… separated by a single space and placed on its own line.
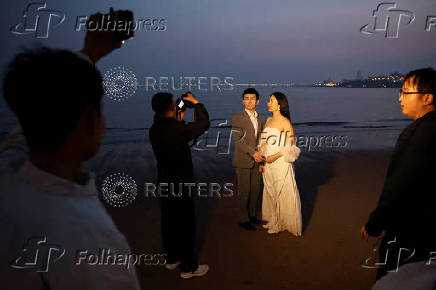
x=281 y=206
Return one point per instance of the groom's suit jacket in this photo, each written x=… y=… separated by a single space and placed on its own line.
x=407 y=206
x=245 y=139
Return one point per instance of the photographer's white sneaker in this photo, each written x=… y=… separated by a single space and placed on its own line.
x=201 y=271
x=172 y=266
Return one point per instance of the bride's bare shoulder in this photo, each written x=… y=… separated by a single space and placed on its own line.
x=285 y=123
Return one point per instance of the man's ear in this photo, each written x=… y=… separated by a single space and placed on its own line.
x=428 y=99
x=257 y=102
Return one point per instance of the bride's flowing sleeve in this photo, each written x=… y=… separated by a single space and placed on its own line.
x=290 y=153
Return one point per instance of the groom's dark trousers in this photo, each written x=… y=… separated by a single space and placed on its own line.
x=406 y=210
x=169 y=139
x=247 y=170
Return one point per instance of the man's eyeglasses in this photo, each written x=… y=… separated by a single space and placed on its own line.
x=401 y=92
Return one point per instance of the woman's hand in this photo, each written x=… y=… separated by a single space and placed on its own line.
x=261 y=168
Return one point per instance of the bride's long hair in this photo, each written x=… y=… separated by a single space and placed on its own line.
x=283 y=102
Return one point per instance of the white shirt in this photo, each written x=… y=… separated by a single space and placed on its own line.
x=35 y=203
x=253 y=118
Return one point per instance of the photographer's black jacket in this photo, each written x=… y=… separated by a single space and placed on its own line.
x=169 y=139
x=407 y=206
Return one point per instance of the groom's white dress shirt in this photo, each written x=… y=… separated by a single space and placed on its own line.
x=62 y=215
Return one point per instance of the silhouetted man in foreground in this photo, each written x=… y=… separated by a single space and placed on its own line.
x=169 y=137
x=52 y=220
x=406 y=209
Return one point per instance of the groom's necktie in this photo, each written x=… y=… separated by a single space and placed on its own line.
x=253 y=118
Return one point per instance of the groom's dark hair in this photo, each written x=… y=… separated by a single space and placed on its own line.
x=251 y=91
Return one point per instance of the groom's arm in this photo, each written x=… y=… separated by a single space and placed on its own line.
x=238 y=134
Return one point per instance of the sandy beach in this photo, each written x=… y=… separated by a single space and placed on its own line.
x=337 y=189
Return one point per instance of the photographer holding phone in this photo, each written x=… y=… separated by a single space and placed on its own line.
x=169 y=138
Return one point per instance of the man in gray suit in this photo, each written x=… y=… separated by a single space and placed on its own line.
x=246 y=128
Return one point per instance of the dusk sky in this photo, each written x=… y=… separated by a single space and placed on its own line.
x=250 y=40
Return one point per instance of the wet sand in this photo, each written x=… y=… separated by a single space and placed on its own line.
x=338 y=190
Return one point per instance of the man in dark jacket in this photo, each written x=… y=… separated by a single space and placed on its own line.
x=169 y=138
x=406 y=209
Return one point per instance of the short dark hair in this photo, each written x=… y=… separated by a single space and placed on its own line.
x=161 y=103
x=251 y=91
x=48 y=90
x=425 y=80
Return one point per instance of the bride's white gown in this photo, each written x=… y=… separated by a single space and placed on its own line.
x=281 y=205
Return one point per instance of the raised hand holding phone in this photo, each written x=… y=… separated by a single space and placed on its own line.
x=103 y=34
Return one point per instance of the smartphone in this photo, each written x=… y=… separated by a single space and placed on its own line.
x=125 y=31
x=181 y=104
